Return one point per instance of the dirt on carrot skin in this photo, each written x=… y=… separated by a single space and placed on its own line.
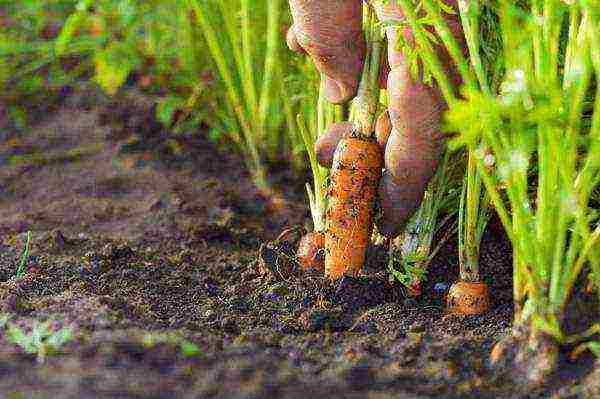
x=147 y=248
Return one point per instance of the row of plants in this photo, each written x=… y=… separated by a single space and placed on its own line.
x=530 y=123
x=527 y=117
x=205 y=62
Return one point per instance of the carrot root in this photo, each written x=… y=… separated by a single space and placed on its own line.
x=311 y=251
x=354 y=181
x=468 y=298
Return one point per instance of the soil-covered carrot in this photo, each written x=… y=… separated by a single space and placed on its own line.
x=311 y=251
x=355 y=177
x=468 y=298
x=331 y=33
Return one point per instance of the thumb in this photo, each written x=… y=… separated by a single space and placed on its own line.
x=330 y=32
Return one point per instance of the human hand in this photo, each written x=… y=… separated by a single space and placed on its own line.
x=330 y=31
x=408 y=132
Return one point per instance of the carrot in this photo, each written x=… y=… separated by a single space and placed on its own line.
x=383 y=128
x=468 y=298
x=355 y=176
x=331 y=33
x=311 y=251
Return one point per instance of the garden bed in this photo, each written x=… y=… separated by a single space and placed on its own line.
x=144 y=245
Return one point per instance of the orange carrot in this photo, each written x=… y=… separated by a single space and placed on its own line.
x=383 y=128
x=311 y=251
x=468 y=298
x=355 y=176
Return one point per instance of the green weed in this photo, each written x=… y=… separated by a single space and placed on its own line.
x=41 y=341
x=22 y=268
x=187 y=348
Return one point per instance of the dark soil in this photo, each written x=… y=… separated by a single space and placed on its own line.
x=145 y=245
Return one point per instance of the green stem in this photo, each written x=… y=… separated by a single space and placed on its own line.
x=451 y=44
x=271 y=56
x=367 y=98
x=248 y=43
x=574 y=19
x=428 y=54
x=232 y=30
x=317 y=200
x=551 y=35
x=574 y=272
x=469 y=270
x=470 y=12
x=577 y=87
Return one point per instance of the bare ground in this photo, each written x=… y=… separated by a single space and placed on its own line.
x=144 y=244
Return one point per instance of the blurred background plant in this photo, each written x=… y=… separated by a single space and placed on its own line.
x=245 y=94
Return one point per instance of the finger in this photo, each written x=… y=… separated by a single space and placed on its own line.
x=398 y=201
x=292 y=41
x=415 y=111
x=327 y=143
x=413 y=149
x=337 y=92
x=383 y=128
x=331 y=33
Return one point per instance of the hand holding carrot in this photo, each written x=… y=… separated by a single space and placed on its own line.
x=409 y=132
